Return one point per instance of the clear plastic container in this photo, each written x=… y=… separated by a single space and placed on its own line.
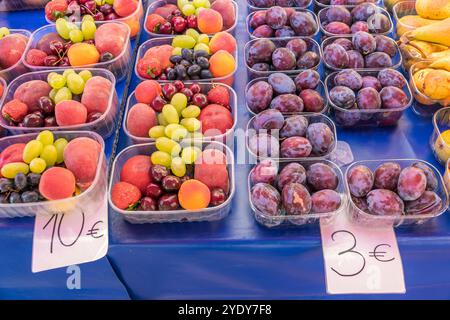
x=18 y=68
x=226 y=138
x=396 y=60
x=104 y=126
x=159 y=3
x=14 y=5
x=119 y=66
x=366 y=117
x=440 y=138
x=447 y=175
x=400 y=10
x=423 y=105
x=283 y=220
x=3 y=84
x=250 y=30
x=318 y=5
x=251 y=6
x=134 y=20
x=83 y=200
x=229 y=79
x=322 y=20
x=364 y=218
x=312 y=45
x=138 y=217
x=312 y=118
x=320 y=89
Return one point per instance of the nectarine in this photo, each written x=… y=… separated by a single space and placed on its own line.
x=147 y=91
x=57 y=183
x=222 y=41
x=96 y=94
x=30 y=92
x=209 y=21
x=70 y=112
x=111 y=37
x=141 y=118
x=136 y=171
x=215 y=119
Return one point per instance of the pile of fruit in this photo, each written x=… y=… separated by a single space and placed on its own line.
x=366 y=17
x=201 y=15
x=65 y=99
x=177 y=111
x=12 y=47
x=362 y=50
x=282 y=22
x=299 y=137
x=100 y=10
x=344 y=2
x=286 y=94
x=295 y=54
x=282 y=3
x=146 y=186
x=47 y=169
x=190 y=57
x=295 y=183
x=77 y=46
x=394 y=191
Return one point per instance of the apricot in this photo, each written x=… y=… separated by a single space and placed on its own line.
x=194 y=195
x=96 y=94
x=12 y=48
x=136 y=171
x=141 y=118
x=209 y=21
x=162 y=54
x=226 y=10
x=57 y=183
x=70 y=112
x=81 y=157
x=222 y=63
x=83 y=54
x=125 y=8
x=111 y=37
x=30 y=92
x=125 y=195
x=211 y=169
x=147 y=91
x=222 y=41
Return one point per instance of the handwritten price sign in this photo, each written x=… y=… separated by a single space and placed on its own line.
x=361 y=259
x=74 y=237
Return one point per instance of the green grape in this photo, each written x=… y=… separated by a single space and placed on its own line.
x=192 y=33
x=57 y=81
x=178 y=167
x=88 y=28
x=161 y=120
x=190 y=154
x=172 y=128
x=67 y=72
x=181 y=3
x=45 y=137
x=167 y=145
x=191 y=112
x=75 y=83
x=11 y=169
x=86 y=75
x=87 y=17
x=160 y=158
x=99 y=2
x=156 y=132
x=203 y=38
x=191 y=124
x=50 y=155
x=38 y=165
x=179 y=101
x=202 y=47
x=63 y=94
x=76 y=36
x=183 y=41
x=52 y=94
x=170 y=114
x=195 y=135
x=176 y=51
x=111 y=2
x=63 y=28
x=60 y=144
x=4 y=31
x=50 y=75
x=179 y=133
x=33 y=149
x=188 y=9
x=202 y=3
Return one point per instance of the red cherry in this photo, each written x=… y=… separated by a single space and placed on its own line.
x=195 y=88
x=169 y=90
x=200 y=100
x=179 y=85
x=188 y=93
x=179 y=24
x=218 y=197
x=165 y=28
x=158 y=103
x=192 y=21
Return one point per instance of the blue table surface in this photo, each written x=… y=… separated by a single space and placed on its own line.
x=236 y=257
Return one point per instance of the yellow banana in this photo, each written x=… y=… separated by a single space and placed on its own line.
x=438 y=32
x=443 y=63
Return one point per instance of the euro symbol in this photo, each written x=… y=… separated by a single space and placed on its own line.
x=380 y=254
x=93 y=231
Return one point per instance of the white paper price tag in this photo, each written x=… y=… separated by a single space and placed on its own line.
x=74 y=237
x=361 y=259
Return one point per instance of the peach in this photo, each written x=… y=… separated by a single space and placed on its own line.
x=57 y=183
x=12 y=48
x=194 y=195
x=162 y=54
x=70 y=112
x=83 y=54
x=209 y=21
x=222 y=63
x=147 y=91
x=124 y=195
x=211 y=169
x=222 y=41
x=136 y=171
x=29 y=93
x=215 y=119
x=226 y=10
x=141 y=118
x=81 y=158
x=166 y=10
x=96 y=94
x=125 y=8
x=111 y=37
x=44 y=43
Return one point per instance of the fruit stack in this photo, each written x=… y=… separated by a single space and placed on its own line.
x=12 y=48
x=266 y=4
